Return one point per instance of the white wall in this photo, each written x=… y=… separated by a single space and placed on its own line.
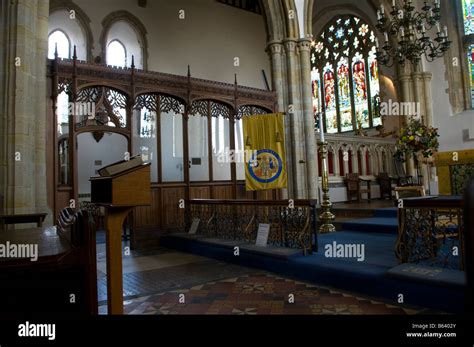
x=60 y=20
x=450 y=125
x=127 y=36
x=110 y=149
x=208 y=39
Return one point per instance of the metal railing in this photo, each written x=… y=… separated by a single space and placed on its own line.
x=292 y=223
x=431 y=231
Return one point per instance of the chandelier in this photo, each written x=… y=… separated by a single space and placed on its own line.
x=409 y=29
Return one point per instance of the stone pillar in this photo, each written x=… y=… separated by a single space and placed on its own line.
x=363 y=161
x=304 y=50
x=275 y=51
x=23 y=130
x=346 y=162
x=295 y=115
x=419 y=99
x=355 y=161
x=335 y=160
x=381 y=164
x=428 y=98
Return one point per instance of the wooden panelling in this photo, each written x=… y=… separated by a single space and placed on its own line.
x=200 y=192
x=243 y=194
x=266 y=195
x=62 y=201
x=222 y=192
x=173 y=216
x=149 y=216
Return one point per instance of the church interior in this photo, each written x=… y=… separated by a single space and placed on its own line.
x=236 y=157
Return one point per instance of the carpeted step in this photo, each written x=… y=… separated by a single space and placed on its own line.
x=386 y=212
x=372 y=225
x=428 y=275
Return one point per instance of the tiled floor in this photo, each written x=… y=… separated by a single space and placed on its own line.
x=260 y=293
x=164 y=281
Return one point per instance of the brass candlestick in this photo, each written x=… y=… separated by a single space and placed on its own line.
x=326 y=218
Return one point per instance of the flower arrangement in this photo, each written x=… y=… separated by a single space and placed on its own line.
x=416 y=138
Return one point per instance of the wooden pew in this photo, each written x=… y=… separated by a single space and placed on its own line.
x=37 y=218
x=63 y=279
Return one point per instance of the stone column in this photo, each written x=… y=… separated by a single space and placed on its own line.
x=23 y=162
x=418 y=93
x=381 y=164
x=363 y=161
x=275 y=51
x=294 y=113
x=428 y=98
x=304 y=50
x=355 y=161
x=346 y=162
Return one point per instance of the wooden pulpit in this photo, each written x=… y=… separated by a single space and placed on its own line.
x=119 y=191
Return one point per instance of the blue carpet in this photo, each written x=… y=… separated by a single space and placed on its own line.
x=390 y=212
x=100 y=236
x=369 y=277
x=372 y=225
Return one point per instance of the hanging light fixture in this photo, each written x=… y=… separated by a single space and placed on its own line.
x=410 y=29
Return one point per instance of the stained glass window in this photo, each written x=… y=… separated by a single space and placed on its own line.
x=471 y=71
x=468 y=11
x=345 y=75
x=468 y=15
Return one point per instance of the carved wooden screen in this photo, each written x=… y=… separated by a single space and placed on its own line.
x=209 y=129
x=157 y=134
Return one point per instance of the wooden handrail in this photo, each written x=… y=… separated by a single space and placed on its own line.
x=251 y=202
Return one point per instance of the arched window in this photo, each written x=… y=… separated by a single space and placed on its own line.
x=116 y=54
x=126 y=29
x=468 y=16
x=76 y=32
x=344 y=73
x=59 y=39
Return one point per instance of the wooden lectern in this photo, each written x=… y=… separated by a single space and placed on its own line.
x=119 y=193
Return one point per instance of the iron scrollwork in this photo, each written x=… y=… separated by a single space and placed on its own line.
x=432 y=236
x=228 y=220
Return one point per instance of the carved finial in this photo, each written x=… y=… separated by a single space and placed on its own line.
x=235 y=79
x=56 y=51
x=74 y=55
x=189 y=71
x=133 y=62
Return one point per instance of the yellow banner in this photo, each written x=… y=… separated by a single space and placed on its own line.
x=265 y=160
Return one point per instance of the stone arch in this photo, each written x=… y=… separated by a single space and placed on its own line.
x=136 y=25
x=274 y=21
x=81 y=16
x=291 y=24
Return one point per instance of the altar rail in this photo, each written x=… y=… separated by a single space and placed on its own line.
x=431 y=230
x=293 y=223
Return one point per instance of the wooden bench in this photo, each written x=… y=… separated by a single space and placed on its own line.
x=37 y=218
x=353 y=183
x=65 y=266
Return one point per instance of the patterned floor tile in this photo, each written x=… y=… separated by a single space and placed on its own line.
x=259 y=294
